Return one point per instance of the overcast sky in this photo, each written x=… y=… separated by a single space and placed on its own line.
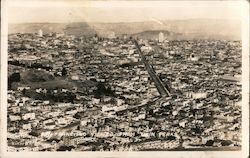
x=22 y=11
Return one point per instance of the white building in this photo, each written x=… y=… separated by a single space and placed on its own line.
x=22 y=88
x=108 y=107
x=15 y=109
x=14 y=118
x=27 y=126
x=161 y=37
x=63 y=121
x=30 y=116
x=40 y=33
x=84 y=122
x=75 y=77
x=139 y=117
x=196 y=95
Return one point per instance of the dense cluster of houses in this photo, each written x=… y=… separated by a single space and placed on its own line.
x=204 y=109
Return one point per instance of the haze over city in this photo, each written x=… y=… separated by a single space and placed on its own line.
x=122 y=11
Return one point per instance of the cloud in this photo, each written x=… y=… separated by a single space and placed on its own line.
x=158 y=21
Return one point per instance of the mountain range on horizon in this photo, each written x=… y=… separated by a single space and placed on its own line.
x=172 y=29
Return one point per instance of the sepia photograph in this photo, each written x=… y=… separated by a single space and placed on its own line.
x=124 y=78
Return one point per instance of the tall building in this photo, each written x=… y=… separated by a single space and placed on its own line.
x=161 y=37
x=40 y=33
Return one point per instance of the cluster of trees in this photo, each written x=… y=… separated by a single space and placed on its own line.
x=15 y=77
x=30 y=65
x=103 y=90
x=50 y=95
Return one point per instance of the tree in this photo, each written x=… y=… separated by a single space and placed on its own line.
x=24 y=91
x=15 y=77
x=64 y=72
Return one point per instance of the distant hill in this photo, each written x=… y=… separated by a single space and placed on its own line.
x=175 y=29
x=206 y=28
x=79 y=29
x=34 y=27
x=154 y=34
